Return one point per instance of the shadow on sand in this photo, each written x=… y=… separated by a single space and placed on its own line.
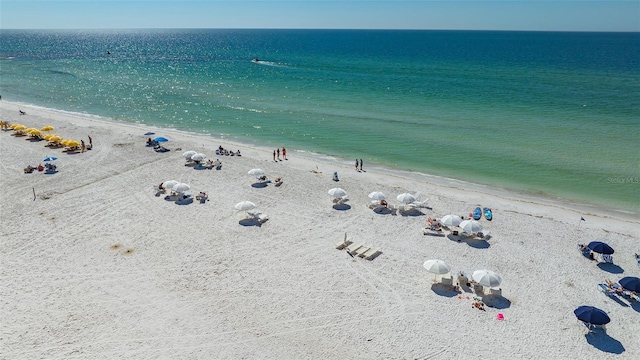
x=497 y=302
x=599 y=339
x=259 y=185
x=478 y=243
x=342 y=207
x=411 y=212
x=610 y=268
x=443 y=290
x=250 y=222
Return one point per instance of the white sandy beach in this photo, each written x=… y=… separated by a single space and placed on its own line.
x=97 y=266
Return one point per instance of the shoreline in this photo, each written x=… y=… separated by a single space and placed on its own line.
x=97 y=264
x=451 y=183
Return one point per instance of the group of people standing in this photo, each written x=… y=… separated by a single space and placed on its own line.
x=360 y=163
x=276 y=154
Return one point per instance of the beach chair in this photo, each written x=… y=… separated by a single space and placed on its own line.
x=607 y=290
x=353 y=247
x=446 y=281
x=495 y=292
x=361 y=250
x=432 y=232
x=371 y=253
x=344 y=243
x=607 y=258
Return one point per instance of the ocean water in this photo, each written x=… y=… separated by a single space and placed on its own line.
x=548 y=113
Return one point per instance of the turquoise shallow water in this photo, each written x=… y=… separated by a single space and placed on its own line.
x=556 y=114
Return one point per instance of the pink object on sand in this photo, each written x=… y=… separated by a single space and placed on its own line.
x=500 y=316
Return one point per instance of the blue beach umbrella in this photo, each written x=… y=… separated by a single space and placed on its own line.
x=630 y=283
x=600 y=247
x=50 y=158
x=161 y=139
x=592 y=315
x=149 y=133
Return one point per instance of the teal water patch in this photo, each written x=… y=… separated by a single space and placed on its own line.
x=545 y=113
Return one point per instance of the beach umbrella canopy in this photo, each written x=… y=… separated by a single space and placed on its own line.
x=55 y=138
x=188 y=154
x=486 y=278
x=470 y=226
x=592 y=315
x=600 y=247
x=161 y=139
x=149 y=133
x=451 y=220
x=169 y=184
x=436 y=266
x=47 y=128
x=406 y=198
x=50 y=158
x=180 y=187
x=377 y=195
x=630 y=283
x=256 y=172
x=245 y=206
x=198 y=157
x=337 y=193
x=16 y=125
x=34 y=131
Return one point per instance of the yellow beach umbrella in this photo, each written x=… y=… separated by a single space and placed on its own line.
x=18 y=127
x=72 y=143
x=55 y=138
x=34 y=132
x=29 y=130
x=47 y=128
x=47 y=136
x=14 y=125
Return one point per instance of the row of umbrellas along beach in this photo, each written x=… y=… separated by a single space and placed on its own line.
x=486 y=278
x=19 y=128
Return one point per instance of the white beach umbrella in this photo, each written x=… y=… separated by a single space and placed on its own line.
x=377 y=195
x=188 y=154
x=256 y=172
x=198 y=157
x=245 y=206
x=180 y=187
x=406 y=198
x=436 y=266
x=486 y=278
x=450 y=220
x=169 y=184
x=470 y=226
x=337 y=193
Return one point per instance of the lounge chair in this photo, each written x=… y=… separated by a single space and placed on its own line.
x=370 y=254
x=353 y=247
x=446 y=281
x=607 y=258
x=611 y=292
x=361 y=250
x=433 y=232
x=344 y=243
x=495 y=292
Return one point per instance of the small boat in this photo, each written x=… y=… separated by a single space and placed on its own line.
x=477 y=213
x=488 y=214
x=255 y=60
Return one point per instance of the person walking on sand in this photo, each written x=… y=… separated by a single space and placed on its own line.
x=274 y=155
x=84 y=147
x=278 y=153
x=360 y=164
x=90 y=141
x=356 y=164
x=284 y=153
